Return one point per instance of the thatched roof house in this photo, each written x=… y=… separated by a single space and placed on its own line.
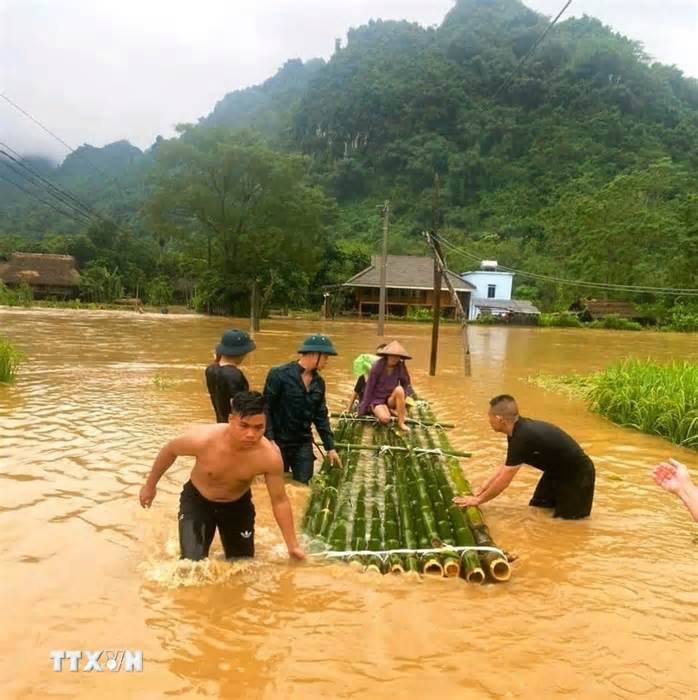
x=47 y=275
x=596 y=309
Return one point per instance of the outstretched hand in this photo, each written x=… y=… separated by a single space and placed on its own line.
x=296 y=553
x=671 y=476
x=466 y=501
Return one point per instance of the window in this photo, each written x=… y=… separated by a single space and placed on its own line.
x=491 y=290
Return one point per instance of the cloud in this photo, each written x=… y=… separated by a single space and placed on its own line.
x=99 y=72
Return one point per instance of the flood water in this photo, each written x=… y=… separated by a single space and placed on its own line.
x=603 y=608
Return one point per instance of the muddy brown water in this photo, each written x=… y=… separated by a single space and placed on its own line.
x=605 y=608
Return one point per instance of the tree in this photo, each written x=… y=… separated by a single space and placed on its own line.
x=99 y=284
x=254 y=203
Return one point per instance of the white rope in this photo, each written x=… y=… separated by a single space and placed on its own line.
x=430 y=451
x=384 y=553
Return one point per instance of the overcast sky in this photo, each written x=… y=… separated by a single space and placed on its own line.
x=95 y=71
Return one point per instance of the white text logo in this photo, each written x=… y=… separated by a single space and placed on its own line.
x=102 y=660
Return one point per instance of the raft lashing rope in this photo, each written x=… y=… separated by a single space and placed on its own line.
x=390 y=507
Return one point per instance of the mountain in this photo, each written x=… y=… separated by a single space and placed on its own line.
x=578 y=162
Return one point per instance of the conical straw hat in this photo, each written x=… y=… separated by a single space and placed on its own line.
x=395 y=348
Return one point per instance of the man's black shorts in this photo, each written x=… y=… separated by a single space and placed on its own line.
x=571 y=498
x=199 y=518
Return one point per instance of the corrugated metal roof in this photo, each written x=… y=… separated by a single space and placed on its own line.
x=515 y=306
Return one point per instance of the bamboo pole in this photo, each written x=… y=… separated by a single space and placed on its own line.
x=407 y=526
x=318 y=482
x=462 y=536
x=428 y=463
x=495 y=565
x=391 y=531
x=375 y=538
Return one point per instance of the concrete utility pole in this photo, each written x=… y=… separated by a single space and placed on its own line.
x=436 y=300
x=383 y=271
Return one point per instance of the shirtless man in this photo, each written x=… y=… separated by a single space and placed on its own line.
x=217 y=495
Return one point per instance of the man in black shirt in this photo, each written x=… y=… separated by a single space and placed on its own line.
x=567 y=484
x=223 y=378
x=295 y=394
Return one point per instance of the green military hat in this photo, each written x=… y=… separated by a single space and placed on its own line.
x=318 y=343
x=234 y=343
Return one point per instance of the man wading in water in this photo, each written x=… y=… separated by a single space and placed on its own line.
x=218 y=495
x=567 y=484
x=295 y=394
x=223 y=377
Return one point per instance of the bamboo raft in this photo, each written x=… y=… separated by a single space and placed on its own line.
x=389 y=509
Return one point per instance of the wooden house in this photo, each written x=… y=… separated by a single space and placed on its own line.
x=409 y=284
x=47 y=275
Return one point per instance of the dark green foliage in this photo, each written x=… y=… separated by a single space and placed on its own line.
x=562 y=319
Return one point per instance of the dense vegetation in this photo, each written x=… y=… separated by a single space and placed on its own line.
x=584 y=167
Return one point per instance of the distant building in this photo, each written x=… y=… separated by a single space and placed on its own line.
x=409 y=283
x=47 y=275
x=492 y=295
x=597 y=309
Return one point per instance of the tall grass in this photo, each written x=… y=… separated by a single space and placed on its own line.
x=10 y=359
x=660 y=399
x=616 y=323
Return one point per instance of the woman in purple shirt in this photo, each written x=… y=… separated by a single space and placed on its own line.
x=388 y=385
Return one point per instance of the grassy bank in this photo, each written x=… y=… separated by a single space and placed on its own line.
x=77 y=305
x=10 y=359
x=681 y=319
x=659 y=399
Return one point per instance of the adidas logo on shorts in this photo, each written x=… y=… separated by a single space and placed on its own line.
x=246 y=534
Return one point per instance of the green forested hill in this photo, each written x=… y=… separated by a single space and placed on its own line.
x=584 y=164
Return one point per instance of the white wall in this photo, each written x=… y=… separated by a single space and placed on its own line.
x=481 y=279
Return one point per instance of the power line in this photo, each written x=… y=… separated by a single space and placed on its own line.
x=15 y=171
x=528 y=54
x=60 y=140
x=38 y=181
x=17 y=157
x=577 y=283
x=59 y=193
x=43 y=201
x=46 y=129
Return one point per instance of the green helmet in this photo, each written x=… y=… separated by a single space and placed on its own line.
x=234 y=343
x=318 y=343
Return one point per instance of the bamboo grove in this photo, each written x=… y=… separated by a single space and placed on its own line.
x=390 y=510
